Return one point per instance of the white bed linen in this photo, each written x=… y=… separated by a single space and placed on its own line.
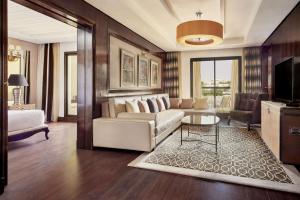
x=25 y=119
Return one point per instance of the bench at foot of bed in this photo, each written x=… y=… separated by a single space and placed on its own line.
x=27 y=134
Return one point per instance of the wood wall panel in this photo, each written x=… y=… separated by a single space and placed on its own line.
x=284 y=42
x=3 y=94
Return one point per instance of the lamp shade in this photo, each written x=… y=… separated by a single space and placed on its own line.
x=17 y=80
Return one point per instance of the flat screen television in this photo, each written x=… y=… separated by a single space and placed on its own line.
x=287 y=81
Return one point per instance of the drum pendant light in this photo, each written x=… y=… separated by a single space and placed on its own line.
x=199 y=32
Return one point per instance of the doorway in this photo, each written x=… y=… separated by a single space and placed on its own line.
x=85 y=66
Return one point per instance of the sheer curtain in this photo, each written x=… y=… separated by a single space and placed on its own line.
x=197 y=87
x=234 y=80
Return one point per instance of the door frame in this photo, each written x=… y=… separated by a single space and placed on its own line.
x=214 y=59
x=3 y=95
x=85 y=61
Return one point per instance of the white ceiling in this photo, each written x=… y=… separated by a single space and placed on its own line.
x=246 y=22
x=29 y=25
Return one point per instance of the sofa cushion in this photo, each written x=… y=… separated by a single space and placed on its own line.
x=132 y=106
x=186 y=103
x=167 y=103
x=140 y=116
x=161 y=105
x=143 y=105
x=167 y=118
x=153 y=105
x=175 y=103
x=201 y=103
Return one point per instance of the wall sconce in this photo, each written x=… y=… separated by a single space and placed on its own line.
x=14 y=53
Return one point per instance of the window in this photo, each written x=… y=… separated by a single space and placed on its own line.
x=214 y=77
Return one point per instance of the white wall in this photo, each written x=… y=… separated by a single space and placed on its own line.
x=64 y=47
x=185 y=64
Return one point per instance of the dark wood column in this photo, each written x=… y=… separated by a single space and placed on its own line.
x=85 y=88
x=3 y=95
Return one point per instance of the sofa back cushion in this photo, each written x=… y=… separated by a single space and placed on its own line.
x=160 y=103
x=175 y=103
x=152 y=103
x=143 y=105
x=201 y=103
x=186 y=104
x=132 y=106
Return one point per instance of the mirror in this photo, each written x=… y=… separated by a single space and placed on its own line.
x=71 y=83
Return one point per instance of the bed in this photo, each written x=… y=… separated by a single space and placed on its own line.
x=25 y=123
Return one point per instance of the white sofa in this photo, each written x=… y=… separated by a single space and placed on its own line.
x=135 y=131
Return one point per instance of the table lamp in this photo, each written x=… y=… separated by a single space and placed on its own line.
x=17 y=80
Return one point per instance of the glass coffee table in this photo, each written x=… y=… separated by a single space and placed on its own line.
x=201 y=120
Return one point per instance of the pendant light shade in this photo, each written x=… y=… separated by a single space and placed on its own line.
x=199 y=32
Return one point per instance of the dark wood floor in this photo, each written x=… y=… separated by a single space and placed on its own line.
x=53 y=169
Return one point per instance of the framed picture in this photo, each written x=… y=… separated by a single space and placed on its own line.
x=143 y=72
x=127 y=69
x=155 y=78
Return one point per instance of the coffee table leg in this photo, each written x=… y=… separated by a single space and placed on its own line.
x=188 y=131
x=217 y=138
x=180 y=135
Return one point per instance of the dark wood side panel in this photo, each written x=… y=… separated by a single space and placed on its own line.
x=3 y=94
x=85 y=87
x=283 y=42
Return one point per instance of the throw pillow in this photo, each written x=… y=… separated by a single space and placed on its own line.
x=167 y=103
x=175 y=103
x=132 y=106
x=143 y=105
x=201 y=103
x=153 y=105
x=161 y=105
x=186 y=104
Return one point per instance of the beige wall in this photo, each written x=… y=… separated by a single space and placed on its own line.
x=115 y=46
x=185 y=64
x=33 y=48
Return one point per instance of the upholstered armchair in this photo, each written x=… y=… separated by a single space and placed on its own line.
x=247 y=108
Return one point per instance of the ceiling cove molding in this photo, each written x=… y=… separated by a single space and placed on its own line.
x=169 y=7
x=144 y=16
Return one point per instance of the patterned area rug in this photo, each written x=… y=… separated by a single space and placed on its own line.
x=242 y=157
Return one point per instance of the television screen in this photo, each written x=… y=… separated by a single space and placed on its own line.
x=284 y=80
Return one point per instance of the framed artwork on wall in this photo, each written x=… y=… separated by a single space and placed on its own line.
x=127 y=69
x=143 y=72
x=155 y=77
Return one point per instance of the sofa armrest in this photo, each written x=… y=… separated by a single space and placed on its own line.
x=139 y=116
x=124 y=133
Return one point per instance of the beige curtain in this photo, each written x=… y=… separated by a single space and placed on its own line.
x=56 y=78
x=197 y=87
x=234 y=80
